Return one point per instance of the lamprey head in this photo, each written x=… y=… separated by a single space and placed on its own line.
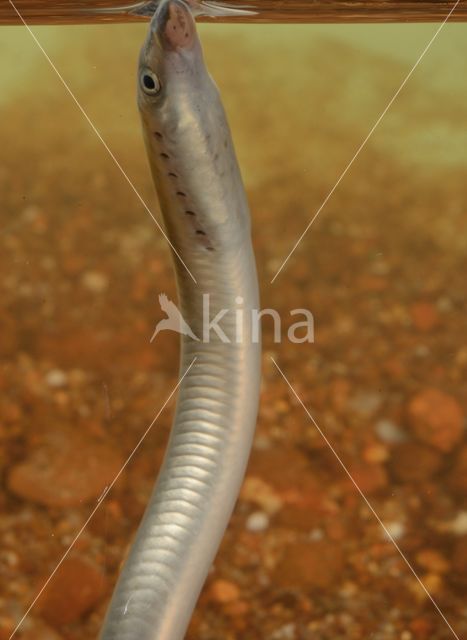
x=170 y=63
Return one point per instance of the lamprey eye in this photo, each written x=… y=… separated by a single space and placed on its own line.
x=150 y=83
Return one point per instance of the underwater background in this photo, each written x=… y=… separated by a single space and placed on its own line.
x=382 y=268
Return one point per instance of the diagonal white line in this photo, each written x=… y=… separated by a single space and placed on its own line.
x=370 y=133
x=365 y=499
x=101 y=500
x=96 y=131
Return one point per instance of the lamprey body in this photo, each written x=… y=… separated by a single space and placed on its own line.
x=207 y=220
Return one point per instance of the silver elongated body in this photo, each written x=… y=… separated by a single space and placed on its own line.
x=207 y=220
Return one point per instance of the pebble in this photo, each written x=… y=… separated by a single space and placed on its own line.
x=444 y=304
x=458 y=525
x=370 y=478
x=424 y=316
x=316 y=534
x=421 y=351
x=388 y=431
x=224 y=591
x=291 y=461
x=56 y=378
x=262 y=442
x=428 y=462
x=314 y=565
x=236 y=611
x=436 y=418
x=366 y=403
x=66 y=470
x=260 y=493
x=31 y=212
x=76 y=588
x=257 y=521
x=380 y=267
x=433 y=584
x=286 y=632
x=432 y=561
x=393 y=530
x=95 y=281
x=375 y=453
x=348 y=589
x=421 y=628
x=298 y=518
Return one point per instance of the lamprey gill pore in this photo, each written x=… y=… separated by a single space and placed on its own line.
x=207 y=220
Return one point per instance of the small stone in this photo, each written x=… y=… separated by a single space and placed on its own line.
x=75 y=589
x=257 y=521
x=262 y=442
x=370 y=478
x=56 y=378
x=421 y=351
x=436 y=418
x=458 y=525
x=292 y=462
x=65 y=471
x=223 y=591
x=31 y=212
x=388 y=431
x=433 y=584
x=421 y=628
x=316 y=534
x=432 y=561
x=286 y=632
x=375 y=453
x=444 y=304
x=348 y=590
x=298 y=518
x=414 y=462
x=393 y=530
x=95 y=281
x=366 y=403
x=261 y=494
x=236 y=608
x=9 y=558
x=314 y=565
x=424 y=316
x=380 y=267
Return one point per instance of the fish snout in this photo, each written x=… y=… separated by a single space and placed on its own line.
x=175 y=25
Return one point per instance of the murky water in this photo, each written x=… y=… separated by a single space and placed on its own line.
x=382 y=268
